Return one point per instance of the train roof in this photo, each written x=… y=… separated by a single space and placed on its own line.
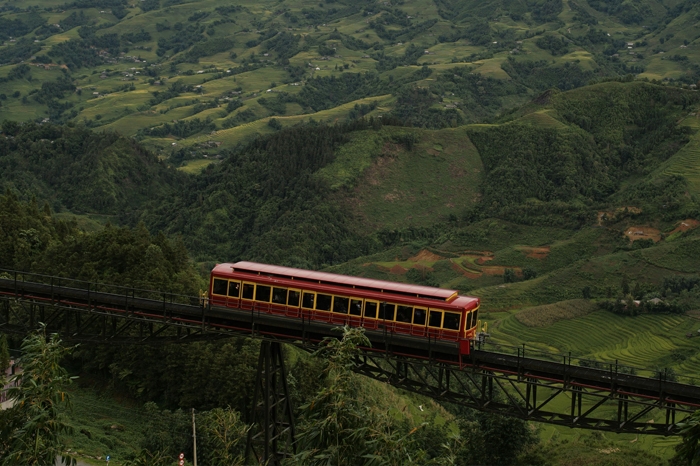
x=343 y=280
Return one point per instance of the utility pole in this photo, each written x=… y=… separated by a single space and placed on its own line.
x=194 y=438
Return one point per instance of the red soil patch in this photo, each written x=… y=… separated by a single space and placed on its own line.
x=425 y=256
x=536 y=253
x=398 y=270
x=466 y=273
x=685 y=225
x=499 y=270
x=483 y=259
x=638 y=232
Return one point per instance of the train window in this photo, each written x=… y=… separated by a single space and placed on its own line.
x=219 y=287
x=371 y=309
x=475 y=318
x=419 y=316
x=307 y=301
x=279 y=295
x=451 y=321
x=468 y=320
x=435 y=319
x=387 y=311
x=355 y=307
x=248 y=291
x=340 y=304
x=234 y=289
x=293 y=298
x=323 y=302
x=404 y=314
x=262 y=293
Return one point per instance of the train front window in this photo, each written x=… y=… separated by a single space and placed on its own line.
x=279 y=295
x=355 y=307
x=475 y=319
x=435 y=319
x=404 y=314
x=451 y=321
x=419 y=316
x=293 y=298
x=323 y=302
x=262 y=293
x=340 y=304
x=307 y=301
x=387 y=311
x=468 y=323
x=370 y=310
x=248 y=291
x=234 y=289
x=220 y=286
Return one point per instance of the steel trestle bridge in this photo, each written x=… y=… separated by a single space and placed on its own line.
x=513 y=381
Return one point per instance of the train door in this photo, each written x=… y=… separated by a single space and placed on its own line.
x=340 y=310
x=278 y=301
x=355 y=313
x=404 y=319
x=293 y=302
x=435 y=323
x=420 y=319
x=247 y=295
x=234 y=294
x=369 y=318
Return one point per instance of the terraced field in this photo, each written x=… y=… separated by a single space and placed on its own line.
x=686 y=162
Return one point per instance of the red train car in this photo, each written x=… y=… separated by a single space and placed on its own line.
x=418 y=311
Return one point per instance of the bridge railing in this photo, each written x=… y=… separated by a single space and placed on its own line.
x=524 y=351
x=132 y=292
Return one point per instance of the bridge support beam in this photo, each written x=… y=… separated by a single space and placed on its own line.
x=272 y=437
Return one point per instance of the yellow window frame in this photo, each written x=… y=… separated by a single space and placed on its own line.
x=212 y=287
x=243 y=284
x=240 y=290
x=364 y=308
x=442 y=317
x=415 y=308
x=333 y=296
x=298 y=291
x=301 y=303
x=459 y=325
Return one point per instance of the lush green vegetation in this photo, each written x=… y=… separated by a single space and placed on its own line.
x=473 y=59
x=542 y=155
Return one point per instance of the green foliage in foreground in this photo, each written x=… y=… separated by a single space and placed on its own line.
x=30 y=430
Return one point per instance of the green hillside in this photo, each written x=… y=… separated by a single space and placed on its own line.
x=202 y=75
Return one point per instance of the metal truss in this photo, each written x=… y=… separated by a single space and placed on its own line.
x=529 y=397
x=273 y=417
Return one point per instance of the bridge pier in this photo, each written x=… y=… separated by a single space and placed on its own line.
x=272 y=437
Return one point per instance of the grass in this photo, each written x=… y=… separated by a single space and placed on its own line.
x=399 y=189
x=103 y=426
x=195 y=166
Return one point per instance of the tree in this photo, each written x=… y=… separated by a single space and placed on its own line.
x=4 y=354
x=494 y=439
x=688 y=452
x=339 y=426
x=30 y=430
x=223 y=437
